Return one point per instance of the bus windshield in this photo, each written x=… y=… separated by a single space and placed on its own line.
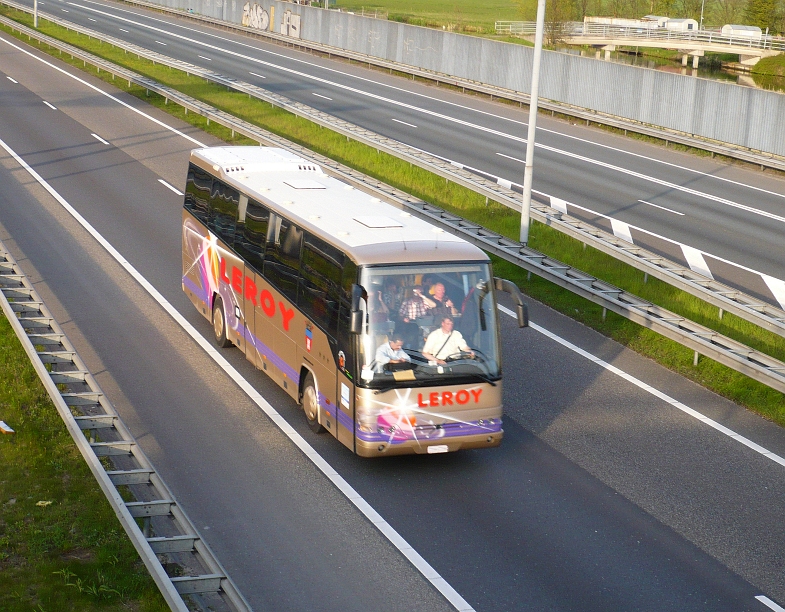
x=429 y=324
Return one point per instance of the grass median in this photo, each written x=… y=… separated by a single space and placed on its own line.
x=492 y=215
x=61 y=546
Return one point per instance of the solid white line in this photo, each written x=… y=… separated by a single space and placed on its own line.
x=321 y=96
x=404 y=123
x=168 y=186
x=675 y=212
x=205 y=58
x=103 y=93
x=257 y=75
x=649 y=389
x=338 y=481
x=12 y=80
x=97 y=137
x=49 y=105
x=768 y=602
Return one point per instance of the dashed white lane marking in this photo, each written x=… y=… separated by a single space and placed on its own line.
x=257 y=75
x=90 y=19
x=404 y=123
x=50 y=105
x=777 y=287
x=99 y=139
x=65 y=10
x=168 y=186
x=621 y=230
x=769 y=603
x=425 y=568
x=103 y=93
x=205 y=58
x=695 y=261
x=160 y=43
x=321 y=96
x=12 y=80
x=675 y=212
x=122 y=30
x=655 y=392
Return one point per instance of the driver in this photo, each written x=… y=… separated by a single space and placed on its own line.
x=445 y=342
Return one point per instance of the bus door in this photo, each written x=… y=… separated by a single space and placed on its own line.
x=345 y=398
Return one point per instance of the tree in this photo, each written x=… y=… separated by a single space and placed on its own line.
x=762 y=13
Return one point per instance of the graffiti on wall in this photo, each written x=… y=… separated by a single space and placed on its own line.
x=255 y=17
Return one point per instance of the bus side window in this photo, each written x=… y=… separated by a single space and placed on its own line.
x=222 y=215
x=251 y=237
x=282 y=256
x=320 y=282
x=197 y=192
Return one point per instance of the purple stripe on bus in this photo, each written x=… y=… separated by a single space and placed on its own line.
x=427 y=434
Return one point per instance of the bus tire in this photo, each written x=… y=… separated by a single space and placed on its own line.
x=219 y=324
x=310 y=403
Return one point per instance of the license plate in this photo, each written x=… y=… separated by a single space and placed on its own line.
x=438 y=448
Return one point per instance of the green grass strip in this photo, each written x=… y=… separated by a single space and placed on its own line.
x=492 y=215
x=61 y=546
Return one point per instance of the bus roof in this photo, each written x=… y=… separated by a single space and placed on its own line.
x=370 y=230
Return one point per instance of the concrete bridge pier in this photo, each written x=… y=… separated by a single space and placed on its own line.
x=608 y=49
x=695 y=53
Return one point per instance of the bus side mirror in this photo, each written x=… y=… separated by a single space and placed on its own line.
x=357 y=323
x=501 y=284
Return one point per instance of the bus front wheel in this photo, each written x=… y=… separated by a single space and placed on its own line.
x=219 y=323
x=311 y=404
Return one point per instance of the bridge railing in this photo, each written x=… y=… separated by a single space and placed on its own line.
x=575 y=29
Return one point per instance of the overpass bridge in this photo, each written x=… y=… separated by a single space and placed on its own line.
x=695 y=43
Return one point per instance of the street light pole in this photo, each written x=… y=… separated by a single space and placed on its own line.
x=35 y=13
x=529 y=170
x=700 y=25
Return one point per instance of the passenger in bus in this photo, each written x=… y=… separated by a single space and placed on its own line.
x=445 y=342
x=416 y=306
x=444 y=305
x=391 y=296
x=379 y=313
x=391 y=352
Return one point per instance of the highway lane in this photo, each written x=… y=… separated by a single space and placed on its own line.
x=586 y=506
x=732 y=213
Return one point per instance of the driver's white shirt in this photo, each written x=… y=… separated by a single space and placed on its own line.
x=437 y=338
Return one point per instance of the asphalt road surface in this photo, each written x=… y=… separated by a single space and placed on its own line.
x=619 y=485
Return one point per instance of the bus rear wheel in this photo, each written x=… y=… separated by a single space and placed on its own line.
x=219 y=324
x=311 y=404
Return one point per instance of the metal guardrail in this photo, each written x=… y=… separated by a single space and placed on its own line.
x=167 y=533
x=702 y=340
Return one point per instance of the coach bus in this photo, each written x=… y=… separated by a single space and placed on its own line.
x=344 y=301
